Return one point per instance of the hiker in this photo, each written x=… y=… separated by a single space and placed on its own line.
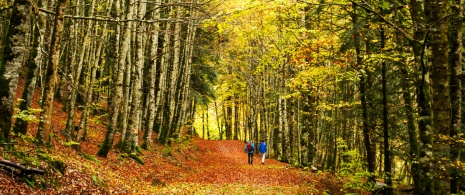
x=249 y=148
x=262 y=149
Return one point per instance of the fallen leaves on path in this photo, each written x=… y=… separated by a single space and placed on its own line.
x=194 y=166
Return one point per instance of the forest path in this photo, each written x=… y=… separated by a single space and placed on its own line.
x=221 y=167
x=226 y=162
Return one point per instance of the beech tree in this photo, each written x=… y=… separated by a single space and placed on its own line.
x=14 y=51
x=45 y=126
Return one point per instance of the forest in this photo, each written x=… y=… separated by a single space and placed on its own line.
x=351 y=96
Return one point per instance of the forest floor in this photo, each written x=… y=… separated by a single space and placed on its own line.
x=189 y=166
x=195 y=166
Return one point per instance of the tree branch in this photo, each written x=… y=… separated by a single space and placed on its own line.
x=110 y=19
x=368 y=9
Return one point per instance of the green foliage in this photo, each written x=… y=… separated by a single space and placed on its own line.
x=89 y=157
x=133 y=156
x=98 y=119
x=71 y=144
x=28 y=115
x=136 y=158
x=96 y=180
x=27 y=138
x=57 y=165
x=29 y=182
x=352 y=169
x=166 y=152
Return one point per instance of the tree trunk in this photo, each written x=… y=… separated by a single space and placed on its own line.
x=370 y=151
x=117 y=92
x=437 y=12
x=131 y=142
x=29 y=87
x=75 y=77
x=152 y=79
x=45 y=126
x=387 y=151
x=455 y=63
x=14 y=51
x=164 y=84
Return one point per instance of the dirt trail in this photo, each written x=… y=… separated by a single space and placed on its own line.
x=226 y=162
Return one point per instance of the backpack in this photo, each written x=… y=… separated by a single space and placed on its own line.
x=249 y=146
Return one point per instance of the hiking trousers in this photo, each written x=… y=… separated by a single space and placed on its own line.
x=263 y=157
x=250 y=158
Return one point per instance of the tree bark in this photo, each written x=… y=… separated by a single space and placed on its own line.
x=45 y=126
x=75 y=77
x=370 y=151
x=152 y=79
x=14 y=51
x=441 y=98
x=387 y=151
x=117 y=90
x=455 y=66
x=34 y=59
x=136 y=78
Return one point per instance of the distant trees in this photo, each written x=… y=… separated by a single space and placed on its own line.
x=322 y=80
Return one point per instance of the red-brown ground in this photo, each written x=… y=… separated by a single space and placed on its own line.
x=194 y=166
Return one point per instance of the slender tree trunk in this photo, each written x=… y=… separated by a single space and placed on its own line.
x=218 y=121
x=75 y=78
x=387 y=151
x=280 y=149
x=45 y=126
x=151 y=84
x=370 y=151
x=131 y=142
x=423 y=100
x=164 y=85
x=118 y=85
x=125 y=107
x=455 y=63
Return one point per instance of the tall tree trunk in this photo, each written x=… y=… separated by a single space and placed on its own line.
x=136 y=78
x=423 y=100
x=370 y=151
x=164 y=84
x=14 y=51
x=218 y=121
x=176 y=73
x=186 y=82
x=455 y=63
x=45 y=126
x=34 y=58
x=76 y=77
x=125 y=107
x=279 y=134
x=117 y=78
x=440 y=88
x=152 y=79
x=387 y=151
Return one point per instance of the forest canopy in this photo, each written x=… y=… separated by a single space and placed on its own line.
x=368 y=90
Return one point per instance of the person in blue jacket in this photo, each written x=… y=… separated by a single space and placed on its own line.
x=262 y=149
x=249 y=148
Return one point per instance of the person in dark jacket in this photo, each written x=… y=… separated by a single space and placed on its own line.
x=262 y=149
x=249 y=148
